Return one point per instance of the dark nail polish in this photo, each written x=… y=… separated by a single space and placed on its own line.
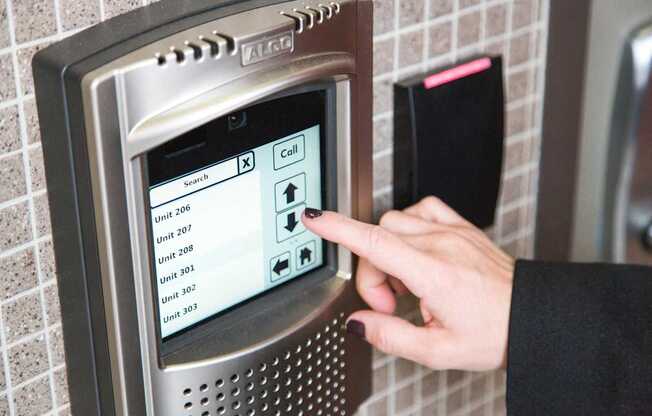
x=355 y=328
x=313 y=213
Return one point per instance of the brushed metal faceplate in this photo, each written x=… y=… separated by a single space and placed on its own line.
x=169 y=87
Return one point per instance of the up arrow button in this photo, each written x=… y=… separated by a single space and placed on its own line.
x=290 y=192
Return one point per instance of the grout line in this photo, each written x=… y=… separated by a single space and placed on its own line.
x=32 y=243
x=3 y=337
x=102 y=11
x=57 y=17
x=32 y=213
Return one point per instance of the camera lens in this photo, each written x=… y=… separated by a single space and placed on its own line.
x=237 y=120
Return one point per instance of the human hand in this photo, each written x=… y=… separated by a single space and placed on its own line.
x=462 y=280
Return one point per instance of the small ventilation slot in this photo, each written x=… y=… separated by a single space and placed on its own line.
x=319 y=13
x=181 y=57
x=196 y=50
x=230 y=42
x=160 y=59
x=328 y=10
x=309 y=18
x=298 y=22
x=215 y=48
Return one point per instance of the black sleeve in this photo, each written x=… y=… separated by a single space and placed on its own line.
x=580 y=340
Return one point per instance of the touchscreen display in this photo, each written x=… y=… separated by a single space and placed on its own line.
x=232 y=229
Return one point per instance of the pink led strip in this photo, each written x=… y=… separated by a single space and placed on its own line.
x=456 y=73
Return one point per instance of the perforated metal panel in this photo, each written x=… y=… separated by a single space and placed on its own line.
x=308 y=379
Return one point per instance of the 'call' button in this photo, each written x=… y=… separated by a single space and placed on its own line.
x=290 y=151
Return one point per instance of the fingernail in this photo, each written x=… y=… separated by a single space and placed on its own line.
x=355 y=328
x=313 y=213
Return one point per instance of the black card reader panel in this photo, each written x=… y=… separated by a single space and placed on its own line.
x=448 y=138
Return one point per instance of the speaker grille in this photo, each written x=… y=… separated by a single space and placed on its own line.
x=307 y=379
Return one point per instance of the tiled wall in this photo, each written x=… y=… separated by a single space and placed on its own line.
x=409 y=36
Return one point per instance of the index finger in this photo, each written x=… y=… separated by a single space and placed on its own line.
x=383 y=249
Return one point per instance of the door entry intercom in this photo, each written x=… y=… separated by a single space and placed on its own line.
x=182 y=143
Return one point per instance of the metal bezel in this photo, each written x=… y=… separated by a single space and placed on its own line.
x=114 y=110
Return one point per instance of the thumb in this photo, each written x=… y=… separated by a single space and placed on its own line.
x=396 y=336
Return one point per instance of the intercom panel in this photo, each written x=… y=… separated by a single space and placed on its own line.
x=180 y=153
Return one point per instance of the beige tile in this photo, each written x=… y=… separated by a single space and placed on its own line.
x=454 y=401
x=31 y=121
x=77 y=14
x=380 y=378
x=52 y=306
x=433 y=409
x=42 y=215
x=34 y=398
x=383 y=96
x=404 y=398
x=17 y=273
x=430 y=384
x=479 y=387
x=468 y=3
x=4 y=25
x=25 y=56
x=515 y=155
x=383 y=170
x=519 y=49
x=518 y=120
x=521 y=13
x=9 y=130
x=499 y=406
x=496 y=22
x=454 y=377
x=441 y=35
x=382 y=204
x=384 y=56
x=513 y=189
x=46 y=260
x=61 y=393
x=28 y=359
x=500 y=379
x=12 y=178
x=22 y=316
x=410 y=48
x=511 y=248
x=480 y=410
x=529 y=215
x=15 y=226
x=518 y=85
x=3 y=380
x=383 y=16
x=34 y=19
x=57 y=351
x=511 y=222
x=113 y=8
x=7 y=79
x=37 y=170
x=440 y=8
x=498 y=48
x=468 y=29
x=383 y=134
x=403 y=369
x=410 y=12
x=378 y=407
x=65 y=412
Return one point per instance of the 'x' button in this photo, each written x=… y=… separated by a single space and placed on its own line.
x=246 y=162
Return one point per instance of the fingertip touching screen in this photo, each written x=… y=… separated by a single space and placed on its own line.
x=226 y=201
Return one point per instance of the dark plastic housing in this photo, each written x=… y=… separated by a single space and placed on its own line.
x=448 y=138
